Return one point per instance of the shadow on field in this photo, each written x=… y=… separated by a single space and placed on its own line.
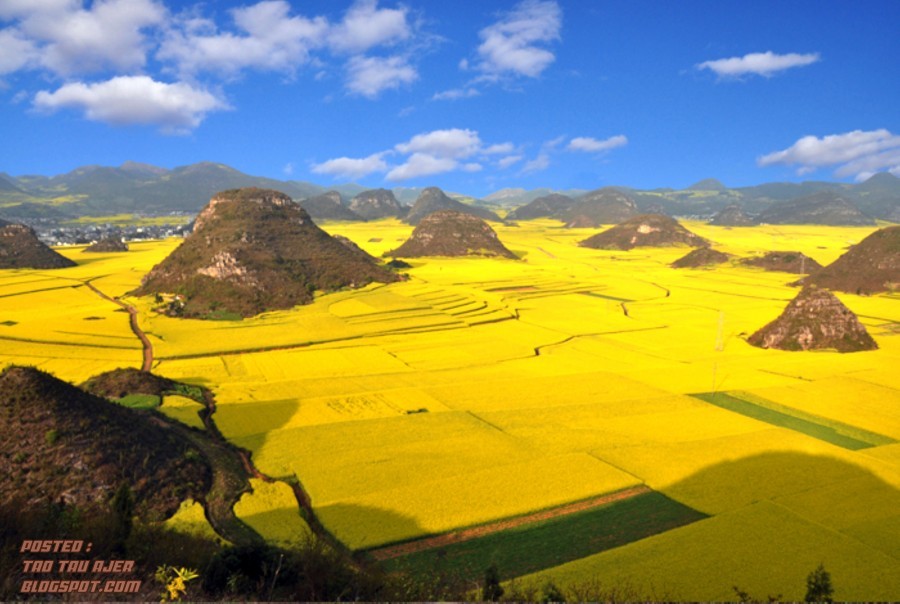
x=363 y=527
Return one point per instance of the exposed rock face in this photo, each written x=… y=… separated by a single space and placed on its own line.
x=732 y=215
x=254 y=250
x=548 y=205
x=328 y=206
x=375 y=204
x=647 y=230
x=703 y=256
x=20 y=248
x=602 y=206
x=815 y=320
x=107 y=245
x=786 y=262
x=824 y=207
x=449 y=233
x=433 y=199
x=870 y=266
x=47 y=424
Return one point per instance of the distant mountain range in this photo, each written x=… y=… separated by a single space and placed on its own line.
x=136 y=187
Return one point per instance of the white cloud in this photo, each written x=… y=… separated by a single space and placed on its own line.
x=499 y=149
x=175 y=108
x=472 y=167
x=509 y=160
x=856 y=153
x=455 y=94
x=512 y=45
x=18 y=51
x=541 y=162
x=370 y=76
x=422 y=164
x=288 y=168
x=365 y=26
x=348 y=167
x=269 y=39
x=454 y=143
x=67 y=39
x=592 y=145
x=760 y=63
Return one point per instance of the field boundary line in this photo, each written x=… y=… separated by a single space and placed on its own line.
x=419 y=545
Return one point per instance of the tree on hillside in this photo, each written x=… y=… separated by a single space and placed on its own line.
x=818 y=586
x=491 y=591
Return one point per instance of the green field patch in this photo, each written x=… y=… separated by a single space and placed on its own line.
x=552 y=542
x=140 y=401
x=830 y=431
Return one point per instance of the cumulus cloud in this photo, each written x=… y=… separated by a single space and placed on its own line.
x=858 y=153
x=592 y=145
x=269 y=38
x=760 y=63
x=499 y=149
x=515 y=44
x=18 y=51
x=454 y=143
x=539 y=163
x=68 y=39
x=422 y=164
x=365 y=26
x=352 y=168
x=125 y=100
x=455 y=94
x=370 y=76
x=507 y=161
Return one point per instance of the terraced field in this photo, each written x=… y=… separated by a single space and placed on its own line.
x=482 y=390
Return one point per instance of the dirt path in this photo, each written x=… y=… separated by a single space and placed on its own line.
x=411 y=547
x=133 y=321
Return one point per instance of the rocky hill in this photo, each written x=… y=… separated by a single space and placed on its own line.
x=328 y=206
x=377 y=203
x=450 y=233
x=815 y=319
x=58 y=442
x=785 y=262
x=548 y=205
x=732 y=215
x=20 y=248
x=646 y=230
x=608 y=205
x=254 y=250
x=823 y=207
x=699 y=257
x=870 y=266
x=433 y=199
x=110 y=244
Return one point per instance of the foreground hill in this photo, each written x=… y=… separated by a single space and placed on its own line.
x=254 y=250
x=824 y=207
x=603 y=206
x=703 y=256
x=449 y=233
x=48 y=425
x=20 y=248
x=785 y=262
x=870 y=266
x=815 y=319
x=110 y=244
x=433 y=199
x=646 y=230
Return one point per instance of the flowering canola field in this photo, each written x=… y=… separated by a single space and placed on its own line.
x=482 y=389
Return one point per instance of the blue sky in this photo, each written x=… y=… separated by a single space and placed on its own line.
x=469 y=96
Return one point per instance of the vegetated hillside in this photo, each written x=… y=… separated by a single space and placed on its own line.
x=254 y=250
x=646 y=230
x=824 y=207
x=708 y=184
x=127 y=380
x=109 y=244
x=870 y=266
x=433 y=199
x=59 y=443
x=450 y=233
x=20 y=248
x=732 y=215
x=608 y=205
x=703 y=256
x=377 y=203
x=548 y=205
x=815 y=319
x=328 y=206
x=786 y=262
